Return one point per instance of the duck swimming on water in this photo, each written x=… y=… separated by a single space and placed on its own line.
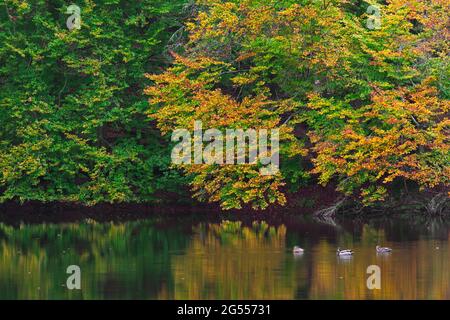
x=383 y=249
x=344 y=252
x=297 y=250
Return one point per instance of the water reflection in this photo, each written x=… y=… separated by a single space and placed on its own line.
x=151 y=259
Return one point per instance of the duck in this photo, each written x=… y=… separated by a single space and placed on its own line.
x=345 y=252
x=297 y=250
x=383 y=249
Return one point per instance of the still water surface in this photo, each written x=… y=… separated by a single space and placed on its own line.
x=221 y=259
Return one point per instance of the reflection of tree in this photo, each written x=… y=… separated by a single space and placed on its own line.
x=231 y=261
x=411 y=272
x=228 y=260
x=128 y=260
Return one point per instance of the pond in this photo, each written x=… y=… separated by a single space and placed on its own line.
x=205 y=258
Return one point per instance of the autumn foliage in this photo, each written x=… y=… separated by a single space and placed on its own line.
x=360 y=99
x=371 y=104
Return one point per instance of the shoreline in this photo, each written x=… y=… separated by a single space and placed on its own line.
x=63 y=212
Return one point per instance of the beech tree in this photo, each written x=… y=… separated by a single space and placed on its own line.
x=73 y=126
x=373 y=101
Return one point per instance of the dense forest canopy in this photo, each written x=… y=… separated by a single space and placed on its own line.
x=358 y=89
x=72 y=108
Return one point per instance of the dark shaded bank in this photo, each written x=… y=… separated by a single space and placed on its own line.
x=306 y=202
x=34 y=212
x=319 y=202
